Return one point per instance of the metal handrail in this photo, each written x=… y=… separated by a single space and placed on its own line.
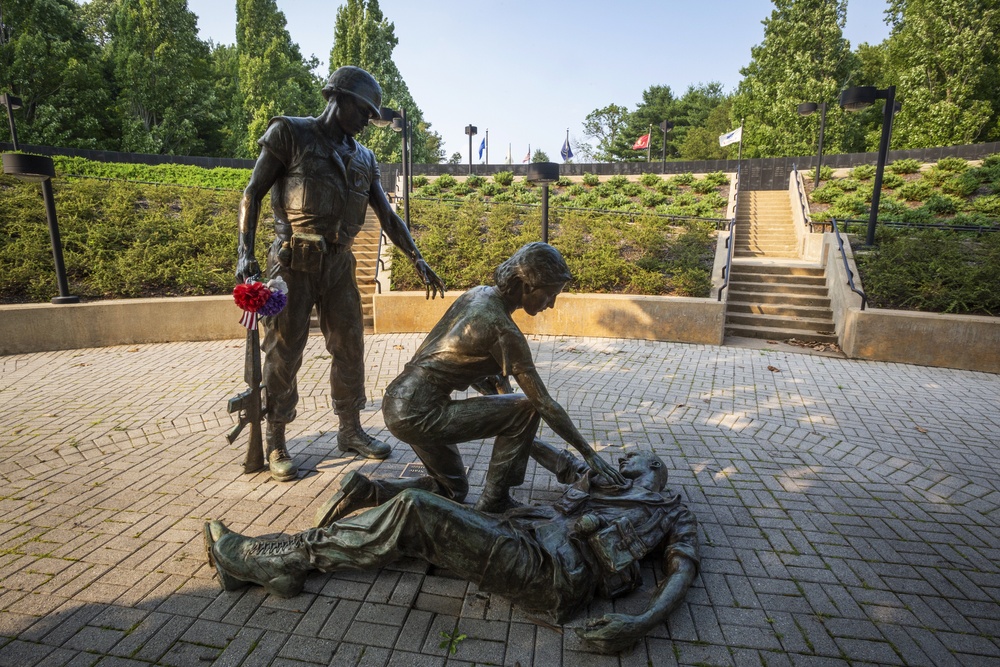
x=731 y=241
x=898 y=224
x=847 y=268
x=802 y=198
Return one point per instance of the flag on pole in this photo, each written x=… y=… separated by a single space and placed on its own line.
x=527 y=156
x=508 y=159
x=642 y=143
x=482 y=147
x=566 y=151
x=733 y=137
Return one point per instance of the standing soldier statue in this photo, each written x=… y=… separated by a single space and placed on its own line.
x=321 y=182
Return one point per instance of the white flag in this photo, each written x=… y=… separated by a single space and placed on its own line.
x=733 y=137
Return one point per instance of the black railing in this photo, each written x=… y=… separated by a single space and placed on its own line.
x=731 y=241
x=847 y=268
x=803 y=204
x=898 y=224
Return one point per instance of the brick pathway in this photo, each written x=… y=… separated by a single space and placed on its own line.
x=849 y=512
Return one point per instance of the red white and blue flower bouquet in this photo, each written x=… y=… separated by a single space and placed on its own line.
x=257 y=299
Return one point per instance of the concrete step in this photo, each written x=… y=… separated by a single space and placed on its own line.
x=783 y=309
x=779 y=333
x=776 y=278
x=770 y=321
x=783 y=298
x=791 y=289
x=752 y=268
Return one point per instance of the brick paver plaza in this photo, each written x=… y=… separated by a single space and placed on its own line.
x=849 y=512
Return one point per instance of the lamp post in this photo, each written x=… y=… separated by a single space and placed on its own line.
x=544 y=173
x=11 y=103
x=38 y=168
x=856 y=99
x=807 y=109
x=397 y=121
x=471 y=131
x=666 y=126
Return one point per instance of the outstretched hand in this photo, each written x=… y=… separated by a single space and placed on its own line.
x=612 y=633
x=433 y=284
x=600 y=466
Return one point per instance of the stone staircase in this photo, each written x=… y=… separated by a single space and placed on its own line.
x=764 y=225
x=779 y=300
x=366 y=250
x=772 y=294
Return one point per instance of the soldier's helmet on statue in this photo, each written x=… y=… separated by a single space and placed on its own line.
x=358 y=83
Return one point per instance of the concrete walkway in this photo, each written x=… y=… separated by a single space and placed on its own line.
x=849 y=511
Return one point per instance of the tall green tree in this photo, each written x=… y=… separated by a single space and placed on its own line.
x=48 y=60
x=164 y=100
x=363 y=37
x=605 y=126
x=701 y=142
x=660 y=104
x=274 y=78
x=803 y=58
x=944 y=58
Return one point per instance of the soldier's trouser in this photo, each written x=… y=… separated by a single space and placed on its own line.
x=334 y=291
x=491 y=552
x=433 y=424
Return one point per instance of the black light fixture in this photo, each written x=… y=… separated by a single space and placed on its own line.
x=666 y=126
x=471 y=131
x=862 y=97
x=396 y=120
x=807 y=109
x=544 y=173
x=38 y=168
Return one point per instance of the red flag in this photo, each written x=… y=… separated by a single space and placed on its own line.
x=642 y=143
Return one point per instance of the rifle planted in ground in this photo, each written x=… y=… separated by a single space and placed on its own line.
x=250 y=406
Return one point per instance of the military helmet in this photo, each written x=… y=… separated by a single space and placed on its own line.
x=356 y=82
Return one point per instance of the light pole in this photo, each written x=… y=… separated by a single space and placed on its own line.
x=807 y=109
x=11 y=103
x=471 y=131
x=397 y=120
x=666 y=126
x=38 y=168
x=856 y=99
x=544 y=173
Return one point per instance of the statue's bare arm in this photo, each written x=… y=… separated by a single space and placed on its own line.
x=266 y=172
x=397 y=232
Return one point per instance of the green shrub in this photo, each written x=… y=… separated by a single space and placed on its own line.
x=445 y=181
x=419 y=181
x=905 y=166
x=576 y=190
x=681 y=179
x=825 y=173
x=952 y=164
x=461 y=189
x=563 y=182
x=617 y=181
x=504 y=178
x=632 y=189
x=490 y=189
x=935 y=176
x=429 y=190
x=717 y=178
x=703 y=186
x=987 y=205
x=826 y=193
x=849 y=206
x=943 y=204
x=991 y=160
x=591 y=179
x=863 y=172
x=475 y=181
x=892 y=181
x=667 y=188
x=652 y=199
x=962 y=185
x=650 y=180
x=915 y=190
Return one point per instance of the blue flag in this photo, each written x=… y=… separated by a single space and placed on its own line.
x=482 y=147
x=566 y=151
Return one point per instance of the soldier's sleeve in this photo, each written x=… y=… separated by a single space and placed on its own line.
x=682 y=535
x=277 y=139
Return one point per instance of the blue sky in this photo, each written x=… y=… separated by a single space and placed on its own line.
x=530 y=70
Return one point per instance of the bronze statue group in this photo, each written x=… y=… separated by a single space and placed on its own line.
x=551 y=560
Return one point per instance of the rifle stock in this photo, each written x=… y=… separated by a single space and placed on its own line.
x=249 y=404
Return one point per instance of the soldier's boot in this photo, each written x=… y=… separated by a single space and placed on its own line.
x=352 y=438
x=496 y=499
x=280 y=566
x=358 y=492
x=279 y=462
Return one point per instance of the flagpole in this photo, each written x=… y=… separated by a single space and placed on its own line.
x=487 y=147
x=649 y=144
